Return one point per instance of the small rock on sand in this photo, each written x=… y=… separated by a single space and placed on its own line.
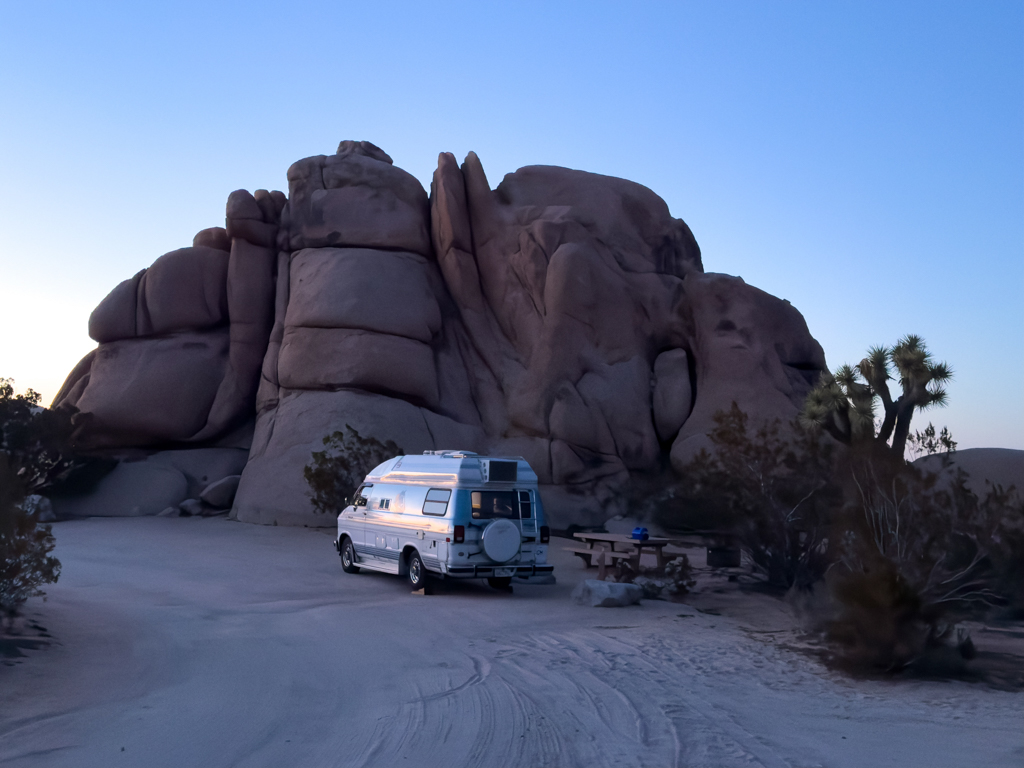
x=606 y=594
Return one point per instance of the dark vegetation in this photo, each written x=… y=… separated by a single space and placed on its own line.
x=896 y=556
x=844 y=403
x=335 y=472
x=36 y=456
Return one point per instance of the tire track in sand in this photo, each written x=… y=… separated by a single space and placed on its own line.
x=584 y=698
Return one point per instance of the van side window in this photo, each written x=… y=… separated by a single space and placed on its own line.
x=361 y=495
x=437 y=501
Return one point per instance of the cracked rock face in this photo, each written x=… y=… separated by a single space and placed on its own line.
x=562 y=316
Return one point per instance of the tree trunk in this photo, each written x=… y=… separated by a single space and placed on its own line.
x=903 y=416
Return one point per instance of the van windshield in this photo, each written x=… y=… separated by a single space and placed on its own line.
x=488 y=505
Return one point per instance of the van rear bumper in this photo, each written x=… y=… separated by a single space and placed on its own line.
x=482 y=571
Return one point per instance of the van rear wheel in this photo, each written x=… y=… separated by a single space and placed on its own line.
x=500 y=582
x=418 y=576
x=348 y=556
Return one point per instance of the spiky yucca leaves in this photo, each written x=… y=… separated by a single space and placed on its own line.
x=843 y=404
x=922 y=380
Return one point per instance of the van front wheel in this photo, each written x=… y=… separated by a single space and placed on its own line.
x=418 y=576
x=348 y=556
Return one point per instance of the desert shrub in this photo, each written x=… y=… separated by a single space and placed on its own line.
x=671 y=582
x=38 y=442
x=906 y=554
x=771 y=486
x=334 y=473
x=25 y=546
x=928 y=442
x=36 y=454
x=1003 y=514
x=917 y=553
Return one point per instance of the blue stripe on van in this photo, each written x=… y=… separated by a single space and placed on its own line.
x=387 y=554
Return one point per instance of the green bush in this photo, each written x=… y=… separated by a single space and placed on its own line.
x=35 y=455
x=335 y=472
x=25 y=546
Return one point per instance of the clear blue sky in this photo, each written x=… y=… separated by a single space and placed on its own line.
x=863 y=160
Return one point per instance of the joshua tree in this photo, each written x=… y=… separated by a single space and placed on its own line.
x=844 y=403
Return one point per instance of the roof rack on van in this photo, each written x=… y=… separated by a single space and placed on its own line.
x=450 y=454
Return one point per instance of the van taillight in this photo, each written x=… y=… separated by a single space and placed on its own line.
x=545 y=534
x=460 y=534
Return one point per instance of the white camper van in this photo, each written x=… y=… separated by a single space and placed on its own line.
x=453 y=514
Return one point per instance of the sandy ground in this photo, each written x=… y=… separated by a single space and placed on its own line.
x=202 y=642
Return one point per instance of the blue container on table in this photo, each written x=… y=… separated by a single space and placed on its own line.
x=640 y=534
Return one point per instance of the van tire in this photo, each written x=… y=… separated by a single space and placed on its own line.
x=503 y=583
x=348 y=556
x=417 y=573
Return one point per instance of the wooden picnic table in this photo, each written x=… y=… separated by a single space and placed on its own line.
x=634 y=548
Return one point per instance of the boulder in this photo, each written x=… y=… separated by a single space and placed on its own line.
x=356 y=199
x=132 y=489
x=384 y=291
x=221 y=493
x=331 y=358
x=192 y=508
x=606 y=594
x=183 y=290
x=626 y=216
x=750 y=348
x=272 y=489
x=144 y=392
x=563 y=316
x=114 y=318
x=182 y=343
x=673 y=395
x=213 y=237
x=149 y=485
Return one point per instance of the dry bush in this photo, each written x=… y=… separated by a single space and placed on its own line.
x=917 y=554
x=770 y=485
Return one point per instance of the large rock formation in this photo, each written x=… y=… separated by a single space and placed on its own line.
x=563 y=316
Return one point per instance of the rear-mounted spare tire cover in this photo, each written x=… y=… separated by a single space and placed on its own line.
x=501 y=540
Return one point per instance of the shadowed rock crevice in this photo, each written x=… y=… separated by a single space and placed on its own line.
x=563 y=316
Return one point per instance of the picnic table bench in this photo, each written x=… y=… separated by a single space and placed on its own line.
x=629 y=548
